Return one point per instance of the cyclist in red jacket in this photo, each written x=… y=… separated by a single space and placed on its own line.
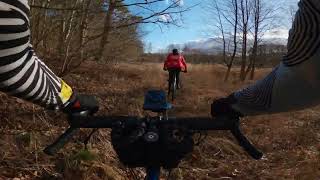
x=174 y=64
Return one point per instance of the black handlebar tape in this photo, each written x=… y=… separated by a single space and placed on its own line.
x=204 y=123
x=102 y=121
x=245 y=143
x=196 y=123
x=61 y=141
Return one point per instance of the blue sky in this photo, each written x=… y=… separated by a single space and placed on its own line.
x=191 y=29
x=194 y=26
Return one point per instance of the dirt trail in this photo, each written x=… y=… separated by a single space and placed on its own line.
x=197 y=92
x=290 y=141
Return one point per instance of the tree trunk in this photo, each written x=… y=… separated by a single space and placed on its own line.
x=67 y=37
x=244 y=57
x=252 y=71
x=257 y=15
x=245 y=20
x=106 y=29
x=84 y=27
x=227 y=73
x=234 y=41
x=249 y=67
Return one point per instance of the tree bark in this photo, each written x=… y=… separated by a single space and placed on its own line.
x=235 y=4
x=257 y=14
x=106 y=29
x=245 y=11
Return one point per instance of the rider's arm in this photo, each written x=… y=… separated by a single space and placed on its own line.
x=22 y=73
x=295 y=83
x=184 y=63
x=166 y=62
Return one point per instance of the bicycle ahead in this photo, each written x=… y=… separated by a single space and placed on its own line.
x=153 y=142
x=174 y=82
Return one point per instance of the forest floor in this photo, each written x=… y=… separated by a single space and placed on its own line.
x=290 y=141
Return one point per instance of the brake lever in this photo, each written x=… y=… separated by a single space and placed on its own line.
x=244 y=142
x=61 y=141
x=74 y=120
x=86 y=141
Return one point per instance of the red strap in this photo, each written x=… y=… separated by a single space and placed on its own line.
x=77 y=105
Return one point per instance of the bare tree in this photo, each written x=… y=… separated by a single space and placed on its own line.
x=214 y=10
x=71 y=31
x=56 y=27
x=241 y=21
x=262 y=16
x=224 y=20
x=234 y=11
x=256 y=12
x=292 y=11
x=148 y=13
x=107 y=28
x=84 y=27
x=67 y=33
x=245 y=11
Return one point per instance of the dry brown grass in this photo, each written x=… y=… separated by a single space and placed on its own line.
x=289 y=140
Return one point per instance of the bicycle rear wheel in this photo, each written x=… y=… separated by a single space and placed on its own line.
x=174 y=88
x=153 y=173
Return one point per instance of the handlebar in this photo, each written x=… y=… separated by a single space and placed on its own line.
x=61 y=141
x=195 y=123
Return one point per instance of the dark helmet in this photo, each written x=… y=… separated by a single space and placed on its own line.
x=175 y=51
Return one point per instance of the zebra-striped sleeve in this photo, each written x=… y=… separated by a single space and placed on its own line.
x=304 y=39
x=259 y=95
x=295 y=83
x=22 y=73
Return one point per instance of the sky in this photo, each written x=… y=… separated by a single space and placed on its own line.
x=195 y=25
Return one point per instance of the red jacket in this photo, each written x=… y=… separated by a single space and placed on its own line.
x=175 y=61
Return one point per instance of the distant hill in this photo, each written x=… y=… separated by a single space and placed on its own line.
x=215 y=45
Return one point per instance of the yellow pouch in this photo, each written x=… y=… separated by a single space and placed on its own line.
x=66 y=92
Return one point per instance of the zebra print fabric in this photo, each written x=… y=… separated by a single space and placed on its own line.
x=22 y=73
x=259 y=95
x=303 y=46
x=305 y=38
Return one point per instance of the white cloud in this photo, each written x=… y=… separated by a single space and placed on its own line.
x=199 y=40
x=277 y=33
x=165 y=18
x=181 y=2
